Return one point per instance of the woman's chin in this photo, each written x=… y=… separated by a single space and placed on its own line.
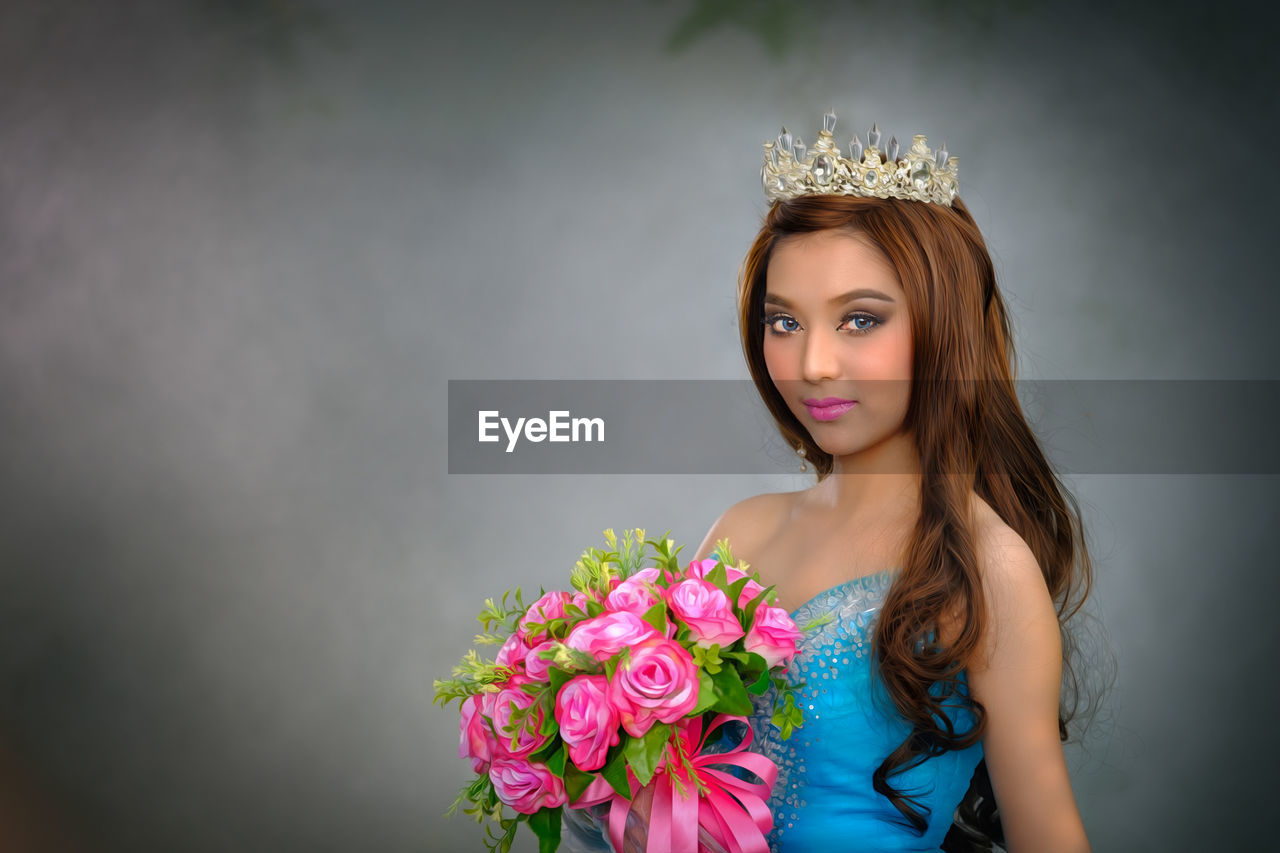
x=853 y=447
x=837 y=449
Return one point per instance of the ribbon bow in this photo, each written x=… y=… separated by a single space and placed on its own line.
x=733 y=812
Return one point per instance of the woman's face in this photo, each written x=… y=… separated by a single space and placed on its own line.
x=837 y=339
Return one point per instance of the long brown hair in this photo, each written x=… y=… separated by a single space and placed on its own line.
x=971 y=435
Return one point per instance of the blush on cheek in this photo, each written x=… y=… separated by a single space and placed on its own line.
x=775 y=357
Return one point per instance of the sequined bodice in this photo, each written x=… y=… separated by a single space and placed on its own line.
x=824 y=798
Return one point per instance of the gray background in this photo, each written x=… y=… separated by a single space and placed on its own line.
x=246 y=244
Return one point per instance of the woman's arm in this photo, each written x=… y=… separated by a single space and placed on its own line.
x=1017 y=678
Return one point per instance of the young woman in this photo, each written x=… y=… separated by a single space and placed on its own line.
x=937 y=538
x=937 y=547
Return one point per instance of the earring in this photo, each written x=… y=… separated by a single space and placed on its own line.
x=804 y=463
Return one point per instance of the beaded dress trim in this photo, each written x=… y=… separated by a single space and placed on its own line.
x=822 y=654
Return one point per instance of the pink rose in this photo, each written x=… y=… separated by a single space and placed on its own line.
x=549 y=606
x=605 y=635
x=750 y=591
x=636 y=593
x=706 y=610
x=476 y=741
x=512 y=653
x=500 y=706
x=700 y=569
x=773 y=635
x=534 y=664
x=588 y=722
x=525 y=786
x=657 y=682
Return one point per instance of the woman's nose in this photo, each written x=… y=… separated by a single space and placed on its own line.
x=820 y=356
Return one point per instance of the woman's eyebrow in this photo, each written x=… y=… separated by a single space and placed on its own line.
x=859 y=293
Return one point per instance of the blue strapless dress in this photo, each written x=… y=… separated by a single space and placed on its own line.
x=824 y=798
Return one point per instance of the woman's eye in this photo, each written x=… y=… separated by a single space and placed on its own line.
x=773 y=320
x=862 y=323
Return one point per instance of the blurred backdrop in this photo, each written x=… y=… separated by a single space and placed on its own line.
x=245 y=244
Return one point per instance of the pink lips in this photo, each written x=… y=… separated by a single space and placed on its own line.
x=828 y=408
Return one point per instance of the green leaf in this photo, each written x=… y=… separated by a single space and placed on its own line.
x=707 y=659
x=707 y=694
x=546 y=825
x=612 y=664
x=750 y=663
x=760 y=685
x=657 y=617
x=753 y=668
x=749 y=615
x=733 y=698
x=722 y=552
x=544 y=753
x=670 y=558
x=558 y=678
x=549 y=725
x=575 y=781
x=643 y=753
x=555 y=762
x=501 y=843
x=788 y=717
x=718 y=576
x=615 y=769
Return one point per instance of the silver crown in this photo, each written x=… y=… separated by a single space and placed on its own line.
x=791 y=169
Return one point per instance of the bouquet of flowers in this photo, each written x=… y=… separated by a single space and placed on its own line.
x=614 y=689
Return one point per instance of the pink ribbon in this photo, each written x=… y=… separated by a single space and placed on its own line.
x=733 y=812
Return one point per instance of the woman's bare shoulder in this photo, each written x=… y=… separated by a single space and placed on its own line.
x=1001 y=550
x=1013 y=581
x=1006 y=567
x=748 y=522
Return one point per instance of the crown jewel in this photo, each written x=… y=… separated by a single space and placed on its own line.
x=791 y=169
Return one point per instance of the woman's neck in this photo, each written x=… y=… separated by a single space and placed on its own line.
x=879 y=479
